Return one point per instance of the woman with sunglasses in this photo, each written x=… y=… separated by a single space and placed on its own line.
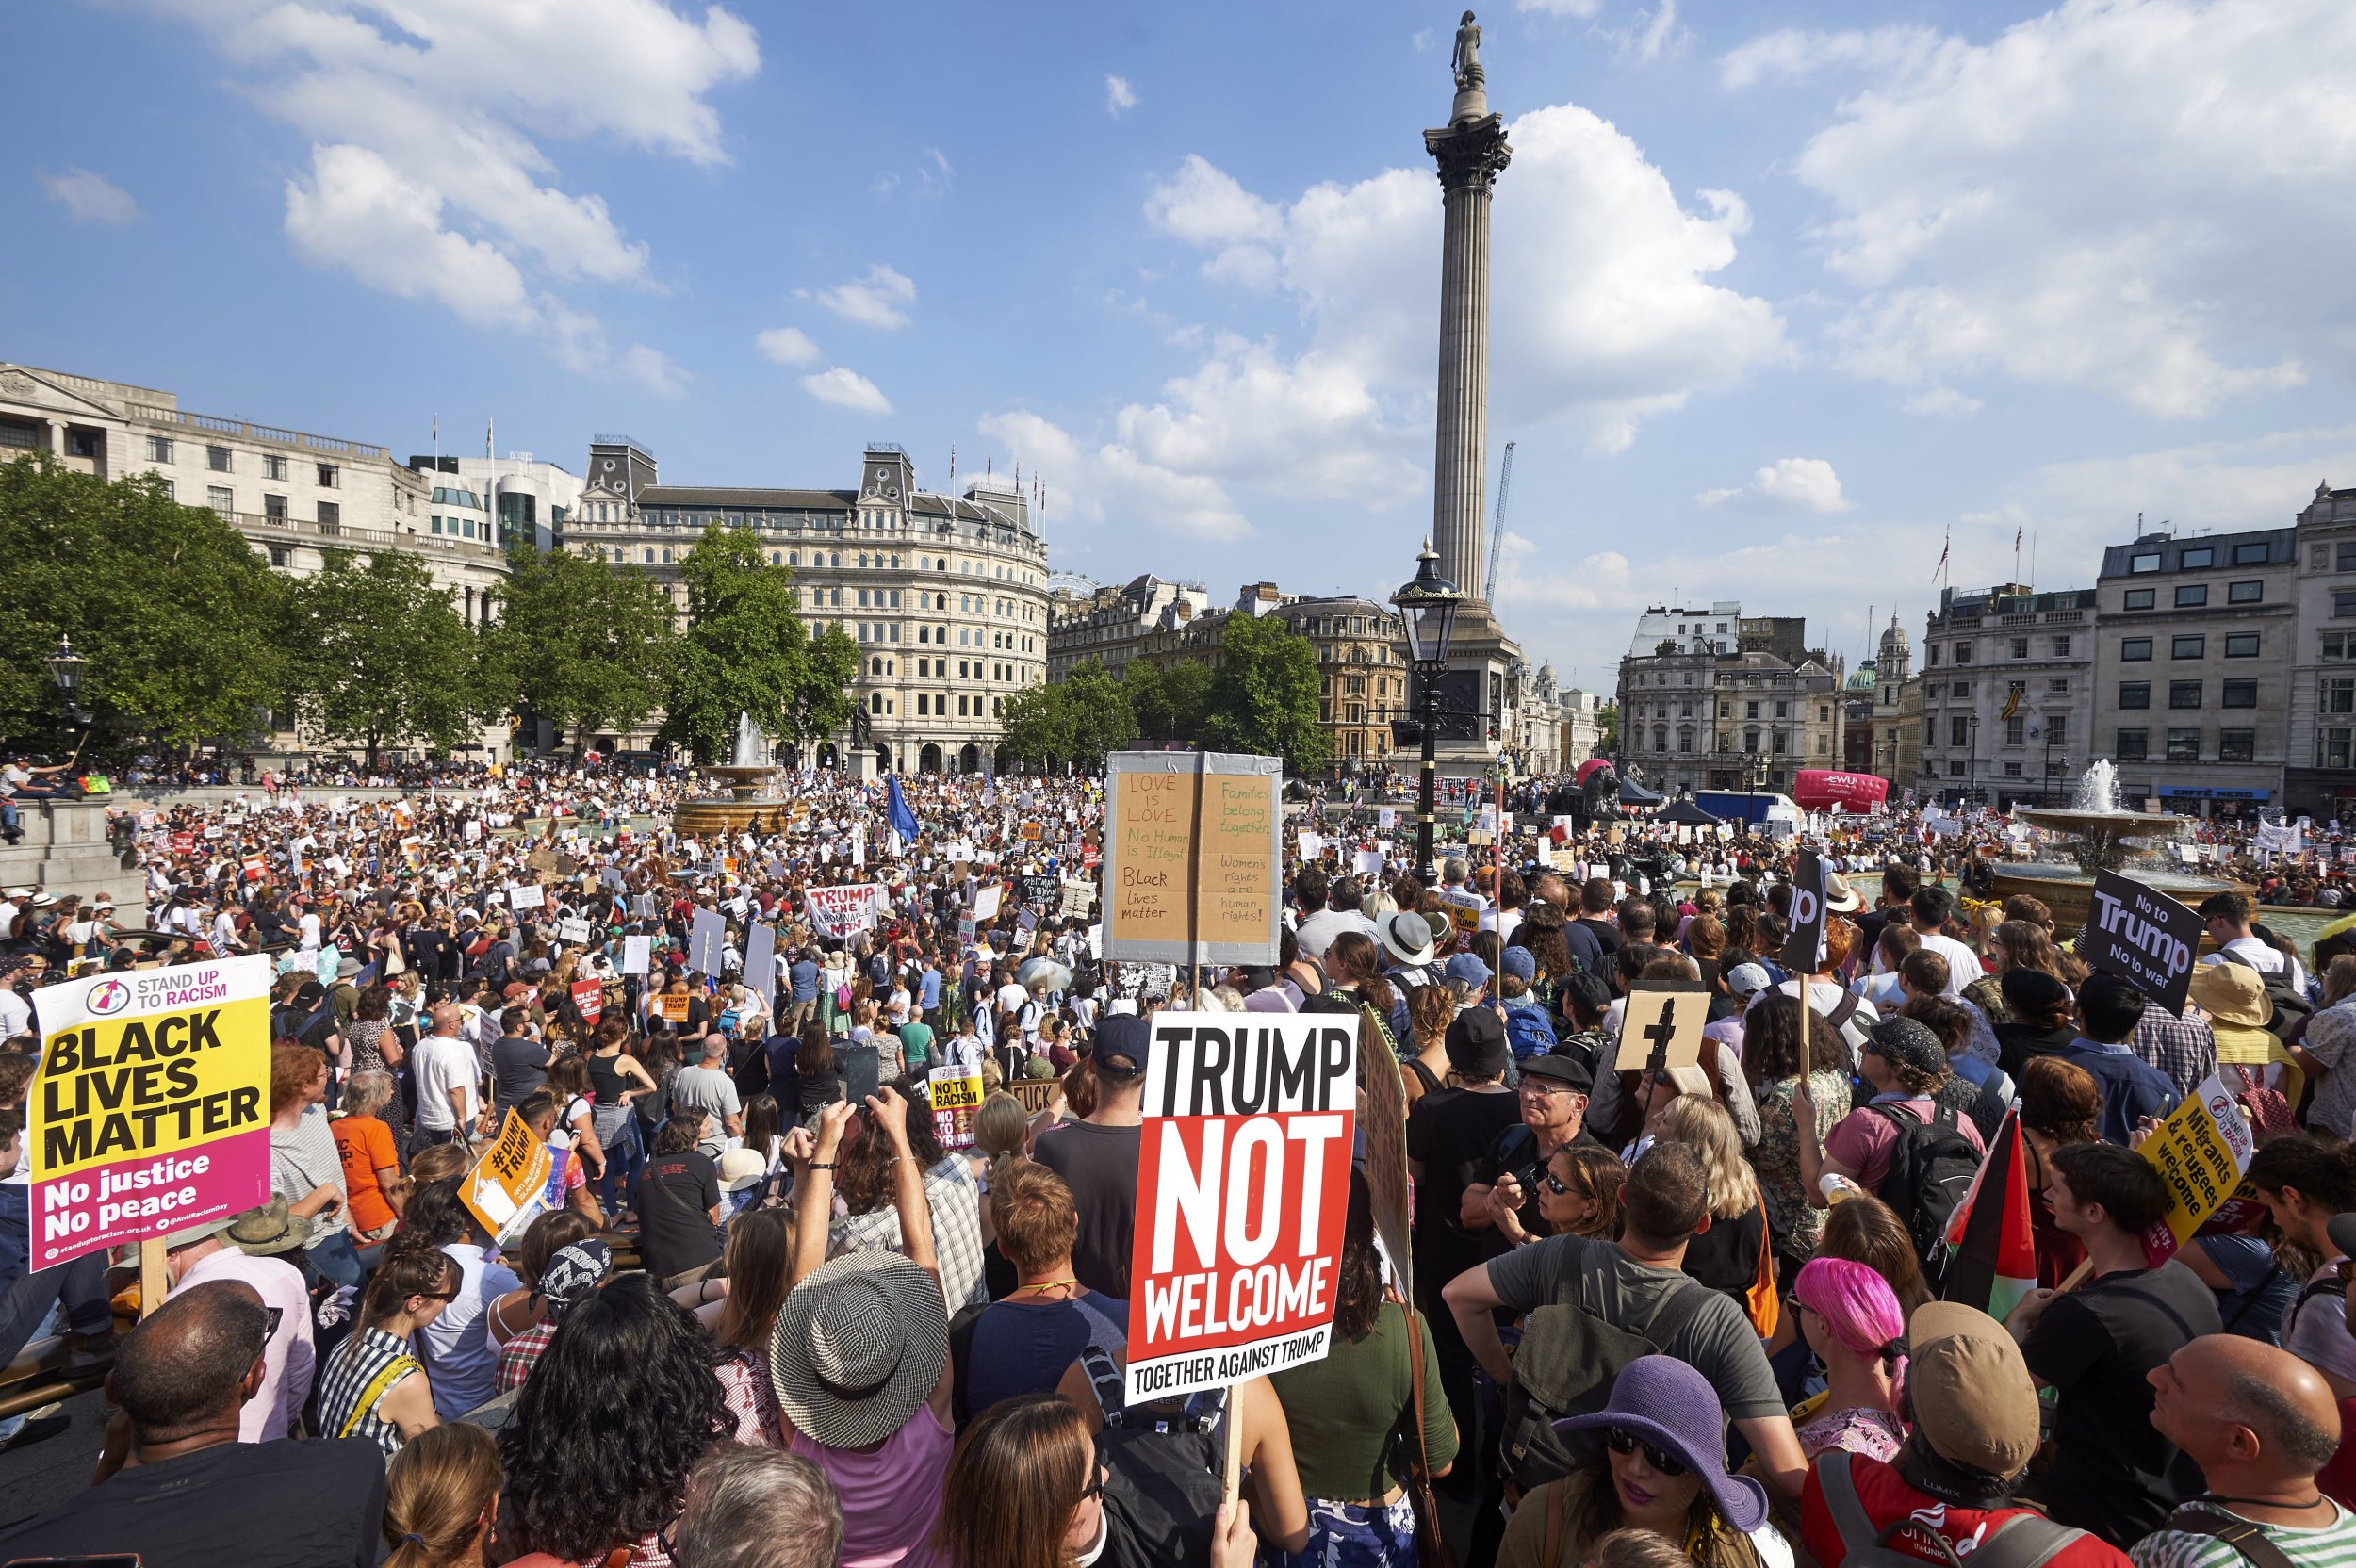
x=1849 y=1315
x=1659 y=1463
x=1024 y=1490
x=373 y=1386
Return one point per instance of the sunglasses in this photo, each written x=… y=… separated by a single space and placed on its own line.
x=1623 y=1442
x=1096 y=1488
x=1558 y=1187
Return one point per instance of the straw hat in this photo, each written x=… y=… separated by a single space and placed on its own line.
x=2231 y=993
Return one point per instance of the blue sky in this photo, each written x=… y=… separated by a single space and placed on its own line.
x=1786 y=293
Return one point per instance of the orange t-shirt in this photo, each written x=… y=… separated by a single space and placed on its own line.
x=365 y=1143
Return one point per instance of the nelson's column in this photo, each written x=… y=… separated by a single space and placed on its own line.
x=1470 y=151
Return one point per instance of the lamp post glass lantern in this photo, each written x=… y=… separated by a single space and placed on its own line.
x=65 y=668
x=1427 y=611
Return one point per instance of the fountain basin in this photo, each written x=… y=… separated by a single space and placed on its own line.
x=746 y=806
x=2068 y=891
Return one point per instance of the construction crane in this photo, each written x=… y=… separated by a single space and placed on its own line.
x=1496 y=530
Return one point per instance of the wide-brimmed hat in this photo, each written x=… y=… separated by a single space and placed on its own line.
x=1974 y=1400
x=740 y=1168
x=857 y=1346
x=2231 y=993
x=1840 y=898
x=1669 y=1404
x=1407 y=937
x=266 y=1230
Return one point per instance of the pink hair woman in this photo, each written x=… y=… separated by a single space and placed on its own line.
x=1851 y=1319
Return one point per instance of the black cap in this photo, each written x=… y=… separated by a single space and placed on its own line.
x=1910 y=1043
x=1122 y=1039
x=1569 y=1070
x=1476 y=1043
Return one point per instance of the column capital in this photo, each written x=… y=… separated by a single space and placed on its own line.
x=1471 y=154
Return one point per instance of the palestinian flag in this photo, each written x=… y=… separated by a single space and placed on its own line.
x=1992 y=1254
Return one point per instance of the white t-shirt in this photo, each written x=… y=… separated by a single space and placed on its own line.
x=16 y=1014
x=1963 y=965
x=2265 y=960
x=440 y=1065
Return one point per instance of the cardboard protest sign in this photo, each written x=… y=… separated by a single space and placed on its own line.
x=2200 y=1149
x=985 y=903
x=844 y=911
x=1664 y=1027
x=705 y=938
x=1193 y=858
x=955 y=1093
x=760 y=958
x=1804 y=946
x=2144 y=937
x=151 y=1109
x=1243 y=1182
x=507 y=1189
x=588 y=1000
x=1076 y=900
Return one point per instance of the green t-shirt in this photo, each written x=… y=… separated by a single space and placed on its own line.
x=1344 y=1409
x=916 y=1044
x=2328 y=1546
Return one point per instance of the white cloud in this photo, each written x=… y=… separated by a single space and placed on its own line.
x=1560 y=8
x=1945 y=401
x=877 y=300
x=1119 y=97
x=90 y=198
x=653 y=369
x=786 y=346
x=1653 y=36
x=1794 y=55
x=846 y=388
x=2117 y=196
x=439 y=113
x=1788 y=484
x=1111 y=482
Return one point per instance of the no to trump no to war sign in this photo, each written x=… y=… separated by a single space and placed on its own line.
x=151 y=1109
x=2144 y=937
x=1243 y=1182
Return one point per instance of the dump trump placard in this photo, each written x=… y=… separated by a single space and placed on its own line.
x=1243 y=1182
x=151 y=1109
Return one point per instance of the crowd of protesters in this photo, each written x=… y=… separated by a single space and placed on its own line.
x=1709 y=1313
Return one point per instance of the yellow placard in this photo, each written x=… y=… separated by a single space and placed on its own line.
x=506 y=1188
x=2200 y=1149
x=674 y=1008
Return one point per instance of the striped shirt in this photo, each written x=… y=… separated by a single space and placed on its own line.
x=2331 y=1545
x=345 y=1384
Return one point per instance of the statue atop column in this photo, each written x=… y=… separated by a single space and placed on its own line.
x=1472 y=97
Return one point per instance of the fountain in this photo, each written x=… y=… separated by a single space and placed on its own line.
x=747 y=776
x=2093 y=834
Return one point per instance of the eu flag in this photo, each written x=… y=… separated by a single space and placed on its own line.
x=896 y=810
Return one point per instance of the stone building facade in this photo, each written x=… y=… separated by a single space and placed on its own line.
x=2010 y=688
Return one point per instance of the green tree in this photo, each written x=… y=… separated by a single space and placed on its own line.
x=1264 y=698
x=1100 y=718
x=182 y=623
x=746 y=651
x=1038 y=727
x=385 y=659
x=1608 y=729
x=583 y=644
x=1169 y=703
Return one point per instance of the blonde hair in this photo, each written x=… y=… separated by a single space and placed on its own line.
x=439 y=1491
x=1706 y=1127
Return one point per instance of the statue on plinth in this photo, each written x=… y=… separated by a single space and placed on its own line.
x=1472 y=93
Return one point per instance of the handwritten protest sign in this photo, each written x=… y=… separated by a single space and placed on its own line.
x=1193 y=858
x=1662 y=1029
x=1243 y=1182
x=844 y=911
x=151 y=1109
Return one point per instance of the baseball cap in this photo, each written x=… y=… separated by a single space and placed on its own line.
x=1742 y=979
x=1519 y=962
x=1561 y=1070
x=1122 y=1039
x=1467 y=967
x=1973 y=1401
x=1476 y=1043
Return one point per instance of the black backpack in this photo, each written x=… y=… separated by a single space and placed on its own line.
x=1931 y=1169
x=1166 y=1471
x=2290 y=1004
x=1564 y=1366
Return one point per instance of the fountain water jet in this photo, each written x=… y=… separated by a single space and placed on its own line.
x=747 y=776
x=2094 y=834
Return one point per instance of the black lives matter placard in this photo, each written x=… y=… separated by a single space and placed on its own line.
x=2144 y=937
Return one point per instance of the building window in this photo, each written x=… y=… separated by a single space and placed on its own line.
x=221 y=500
x=1958 y=731
x=2133 y=650
x=1963 y=651
x=273 y=465
x=2337 y=695
x=2058 y=684
x=217 y=459
x=2236 y=745
x=2015 y=729
x=2251 y=592
x=2134 y=694
x=2133 y=744
x=2237 y=693
x=2241 y=644
x=2058 y=729
x=2195 y=556
x=2191 y=595
x=2343 y=558
x=2020 y=647
x=2183 y=745
x=2187 y=647
x=2251 y=555
x=2061 y=647
x=159 y=451
x=331 y=516
x=2144 y=560
x=2184 y=694
x=275 y=508
x=330 y=476
x=2334 y=747
x=281 y=556
x=1930 y=659
x=2012 y=770
x=2136 y=598
x=1959 y=689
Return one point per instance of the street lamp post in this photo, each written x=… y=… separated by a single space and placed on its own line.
x=1427 y=611
x=1971 y=762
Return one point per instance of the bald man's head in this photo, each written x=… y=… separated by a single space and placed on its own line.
x=2246 y=1410
x=192 y=1358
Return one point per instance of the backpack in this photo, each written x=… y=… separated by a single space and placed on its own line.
x=1931 y=1167
x=2251 y=1541
x=1564 y=1366
x=2023 y=1541
x=1528 y=1031
x=2290 y=1002
x=1166 y=1471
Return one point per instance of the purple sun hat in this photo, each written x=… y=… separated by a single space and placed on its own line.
x=1669 y=1404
